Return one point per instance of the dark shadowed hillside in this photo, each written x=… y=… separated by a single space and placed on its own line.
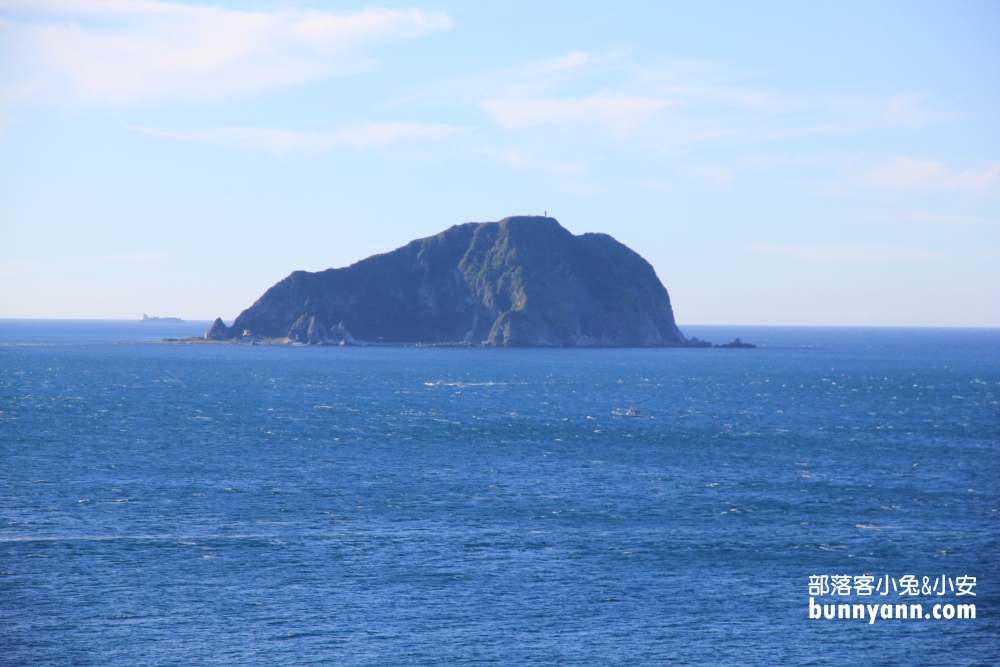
x=523 y=281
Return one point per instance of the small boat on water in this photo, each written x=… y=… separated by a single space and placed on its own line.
x=627 y=412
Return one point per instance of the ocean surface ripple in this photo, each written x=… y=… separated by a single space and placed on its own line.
x=248 y=505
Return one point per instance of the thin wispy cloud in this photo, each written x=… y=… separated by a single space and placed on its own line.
x=281 y=141
x=907 y=174
x=679 y=113
x=905 y=214
x=570 y=61
x=120 y=51
x=675 y=102
x=619 y=113
x=850 y=253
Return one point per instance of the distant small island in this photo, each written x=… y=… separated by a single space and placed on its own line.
x=524 y=281
x=170 y=320
x=738 y=344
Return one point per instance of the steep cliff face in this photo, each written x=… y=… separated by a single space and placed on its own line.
x=520 y=282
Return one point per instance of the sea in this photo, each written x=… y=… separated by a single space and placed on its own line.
x=185 y=504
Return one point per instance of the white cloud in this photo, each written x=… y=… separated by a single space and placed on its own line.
x=850 y=253
x=123 y=51
x=280 y=141
x=618 y=112
x=906 y=173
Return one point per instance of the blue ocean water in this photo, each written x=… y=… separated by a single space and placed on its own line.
x=249 y=505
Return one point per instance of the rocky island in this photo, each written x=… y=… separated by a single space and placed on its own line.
x=524 y=281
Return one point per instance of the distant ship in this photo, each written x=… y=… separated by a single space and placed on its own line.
x=170 y=320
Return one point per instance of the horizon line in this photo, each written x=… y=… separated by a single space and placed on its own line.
x=679 y=325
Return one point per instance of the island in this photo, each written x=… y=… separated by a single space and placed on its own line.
x=738 y=344
x=169 y=320
x=524 y=281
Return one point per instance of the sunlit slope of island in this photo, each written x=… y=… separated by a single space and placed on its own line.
x=524 y=281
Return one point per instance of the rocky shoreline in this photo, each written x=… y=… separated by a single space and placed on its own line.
x=285 y=342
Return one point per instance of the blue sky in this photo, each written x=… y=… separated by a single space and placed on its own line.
x=777 y=163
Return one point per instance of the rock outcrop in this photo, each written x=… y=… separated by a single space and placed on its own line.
x=219 y=331
x=520 y=282
x=738 y=344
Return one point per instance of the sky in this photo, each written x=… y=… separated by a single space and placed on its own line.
x=817 y=163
